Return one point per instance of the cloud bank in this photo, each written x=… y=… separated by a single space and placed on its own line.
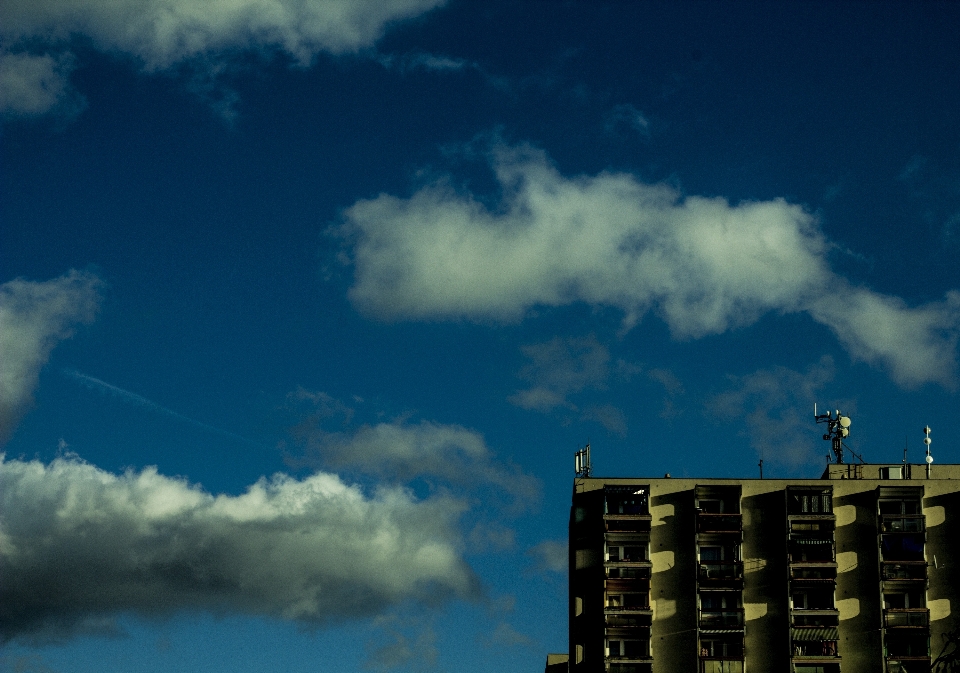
x=705 y=265
x=78 y=545
x=162 y=33
x=35 y=317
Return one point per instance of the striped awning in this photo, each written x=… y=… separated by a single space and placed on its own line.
x=815 y=633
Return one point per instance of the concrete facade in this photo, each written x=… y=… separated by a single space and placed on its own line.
x=856 y=572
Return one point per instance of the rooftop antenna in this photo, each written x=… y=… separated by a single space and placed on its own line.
x=583 y=461
x=926 y=440
x=838 y=427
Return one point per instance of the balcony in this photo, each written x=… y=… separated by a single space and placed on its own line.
x=908 y=665
x=708 y=522
x=721 y=664
x=619 y=624
x=726 y=618
x=901 y=547
x=907 y=644
x=814 y=616
x=626 y=651
x=904 y=570
x=817 y=642
x=627 y=523
x=906 y=618
x=617 y=610
x=631 y=667
x=816 y=574
x=892 y=523
x=628 y=585
x=720 y=571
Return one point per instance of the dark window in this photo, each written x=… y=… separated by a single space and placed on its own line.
x=810 y=502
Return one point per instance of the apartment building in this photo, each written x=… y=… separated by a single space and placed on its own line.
x=857 y=571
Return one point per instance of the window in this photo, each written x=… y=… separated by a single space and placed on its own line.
x=904 y=600
x=636 y=600
x=907 y=645
x=721 y=648
x=717 y=553
x=810 y=502
x=902 y=547
x=628 y=648
x=626 y=500
x=711 y=506
x=813 y=599
x=629 y=552
x=902 y=507
x=719 y=600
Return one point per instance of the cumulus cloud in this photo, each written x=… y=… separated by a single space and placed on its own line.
x=78 y=544
x=35 y=317
x=775 y=406
x=704 y=264
x=401 y=452
x=162 y=33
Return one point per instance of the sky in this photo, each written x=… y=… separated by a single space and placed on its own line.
x=306 y=306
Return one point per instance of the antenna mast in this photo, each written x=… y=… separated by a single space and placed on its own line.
x=583 y=461
x=838 y=427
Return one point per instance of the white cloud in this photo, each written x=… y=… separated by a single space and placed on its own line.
x=917 y=344
x=550 y=555
x=627 y=118
x=774 y=405
x=35 y=317
x=402 y=452
x=163 y=33
x=78 y=544
x=705 y=265
x=559 y=368
x=425 y=61
x=32 y=85
x=563 y=367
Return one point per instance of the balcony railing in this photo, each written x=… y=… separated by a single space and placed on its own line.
x=719 y=523
x=626 y=609
x=815 y=574
x=730 y=618
x=890 y=523
x=906 y=617
x=826 y=649
x=916 y=570
x=721 y=570
x=627 y=523
x=721 y=664
x=907 y=664
x=805 y=613
x=628 y=584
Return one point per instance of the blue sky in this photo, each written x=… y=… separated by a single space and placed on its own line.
x=306 y=306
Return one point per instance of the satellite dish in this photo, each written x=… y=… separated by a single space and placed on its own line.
x=844 y=421
x=929 y=459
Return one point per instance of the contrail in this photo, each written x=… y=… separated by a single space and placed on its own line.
x=142 y=401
